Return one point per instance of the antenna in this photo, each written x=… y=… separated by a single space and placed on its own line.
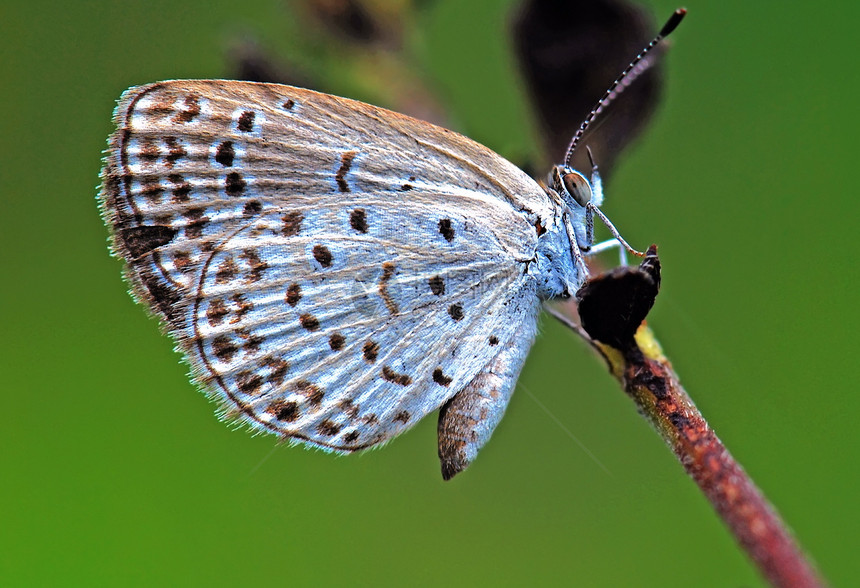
x=670 y=26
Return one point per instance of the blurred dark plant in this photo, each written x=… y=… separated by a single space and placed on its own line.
x=367 y=35
x=569 y=54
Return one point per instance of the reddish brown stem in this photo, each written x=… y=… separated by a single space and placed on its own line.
x=648 y=378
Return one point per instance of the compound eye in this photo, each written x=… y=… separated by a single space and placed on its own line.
x=577 y=186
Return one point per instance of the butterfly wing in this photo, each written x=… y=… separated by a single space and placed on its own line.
x=332 y=271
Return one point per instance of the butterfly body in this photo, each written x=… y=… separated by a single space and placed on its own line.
x=333 y=271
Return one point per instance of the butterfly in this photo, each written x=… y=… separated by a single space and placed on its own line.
x=333 y=271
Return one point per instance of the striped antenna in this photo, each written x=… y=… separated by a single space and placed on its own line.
x=621 y=80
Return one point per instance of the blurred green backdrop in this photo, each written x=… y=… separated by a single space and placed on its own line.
x=115 y=470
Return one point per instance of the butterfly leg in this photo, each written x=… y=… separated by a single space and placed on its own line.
x=603 y=218
x=606 y=246
x=592 y=208
x=575 y=251
x=468 y=419
x=595 y=248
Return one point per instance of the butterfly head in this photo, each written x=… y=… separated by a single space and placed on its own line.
x=573 y=187
x=560 y=266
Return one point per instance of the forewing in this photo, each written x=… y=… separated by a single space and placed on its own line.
x=333 y=271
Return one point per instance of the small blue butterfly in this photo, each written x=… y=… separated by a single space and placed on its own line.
x=333 y=271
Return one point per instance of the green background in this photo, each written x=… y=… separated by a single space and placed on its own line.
x=115 y=470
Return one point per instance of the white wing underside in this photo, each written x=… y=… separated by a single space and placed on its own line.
x=327 y=283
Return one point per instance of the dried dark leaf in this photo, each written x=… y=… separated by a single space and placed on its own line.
x=570 y=52
x=612 y=305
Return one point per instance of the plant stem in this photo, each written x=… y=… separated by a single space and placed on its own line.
x=648 y=378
